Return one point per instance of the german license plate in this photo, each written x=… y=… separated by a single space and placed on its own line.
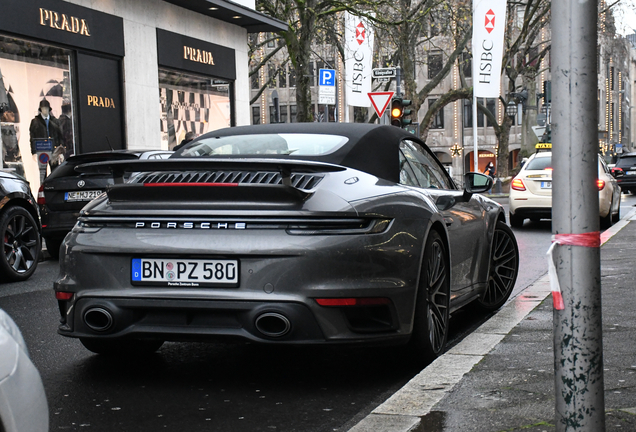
x=185 y=272
x=82 y=195
x=631 y=173
x=546 y=185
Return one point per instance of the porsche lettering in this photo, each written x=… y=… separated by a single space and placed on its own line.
x=192 y=225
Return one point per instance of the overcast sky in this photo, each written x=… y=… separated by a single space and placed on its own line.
x=626 y=17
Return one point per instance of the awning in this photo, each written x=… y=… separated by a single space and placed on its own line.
x=233 y=13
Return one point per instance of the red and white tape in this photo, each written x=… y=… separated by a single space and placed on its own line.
x=591 y=239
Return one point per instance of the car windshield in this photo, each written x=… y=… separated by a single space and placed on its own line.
x=540 y=163
x=264 y=144
x=626 y=161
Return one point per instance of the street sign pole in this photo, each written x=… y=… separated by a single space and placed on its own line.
x=578 y=343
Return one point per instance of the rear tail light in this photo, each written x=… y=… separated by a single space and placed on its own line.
x=41 y=199
x=600 y=183
x=62 y=295
x=360 y=301
x=517 y=184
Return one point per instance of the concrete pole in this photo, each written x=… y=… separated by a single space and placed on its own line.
x=578 y=344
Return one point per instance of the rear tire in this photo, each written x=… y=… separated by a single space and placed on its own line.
x=21 y=244
x=608 y=220
x=432 y=308
x=617 y=216
x=115 y=347
x=53 y=247
x=516 y=221
x=504 y=267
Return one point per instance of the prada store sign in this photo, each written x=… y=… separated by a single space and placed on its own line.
x=193 y=55
x=63 y=22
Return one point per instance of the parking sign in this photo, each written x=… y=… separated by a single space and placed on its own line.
x=327 y=77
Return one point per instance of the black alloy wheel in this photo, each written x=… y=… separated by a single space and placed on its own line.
x=20 y=244
x=115 y=347
x=504 y=267
x=431 y=323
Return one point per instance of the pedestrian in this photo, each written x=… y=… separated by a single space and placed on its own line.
x=189 y=136
x=490 y=170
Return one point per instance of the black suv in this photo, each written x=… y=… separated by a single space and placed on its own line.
x=19 y=228
x=65 y=192
x=625 y=172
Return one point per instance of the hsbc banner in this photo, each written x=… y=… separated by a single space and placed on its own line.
x=489 y=21
x=358 y=60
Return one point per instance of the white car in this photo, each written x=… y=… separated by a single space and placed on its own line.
x=531 y=192
x=23 y=405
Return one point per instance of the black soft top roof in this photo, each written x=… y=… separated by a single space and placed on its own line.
x=371 y=148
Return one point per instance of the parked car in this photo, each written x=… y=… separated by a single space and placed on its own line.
x=64 y=192
x=287 y=234
x=23 y=405
x=625 y=172
x=19 y=228
x=531 y=192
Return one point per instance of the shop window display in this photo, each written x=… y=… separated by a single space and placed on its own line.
x=34 y=78
x=191 y=103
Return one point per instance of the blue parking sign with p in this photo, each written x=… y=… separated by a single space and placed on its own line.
x=327 y=77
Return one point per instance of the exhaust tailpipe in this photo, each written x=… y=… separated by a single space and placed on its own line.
x=98 y=319
x=273 y=324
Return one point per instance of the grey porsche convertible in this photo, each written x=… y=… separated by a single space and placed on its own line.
x=284 y=234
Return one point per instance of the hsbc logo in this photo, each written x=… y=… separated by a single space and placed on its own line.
x=360 y=33
x=490 y=21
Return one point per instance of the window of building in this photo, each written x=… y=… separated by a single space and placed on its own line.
x=292 y=113
x=292 y=77
x=32 y=74
x=192 y=103
x=254 y=81
x=283 y=113
x=611 y=77
x=491 y=104
x=271 y=42
x=282 y=77
x=438 y=119
x=271 y=75
x=256 y=115
x=467 y=64
x=468 y=113
x=360 y=114
x=435 y=64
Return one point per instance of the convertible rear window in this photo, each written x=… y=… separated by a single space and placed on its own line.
x=264 y=144
x=540 y=163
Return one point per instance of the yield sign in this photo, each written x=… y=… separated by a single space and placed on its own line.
x=380 y=101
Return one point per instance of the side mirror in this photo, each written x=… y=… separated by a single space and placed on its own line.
x=477 y=183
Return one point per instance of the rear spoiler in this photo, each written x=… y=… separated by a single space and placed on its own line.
x=286 y=167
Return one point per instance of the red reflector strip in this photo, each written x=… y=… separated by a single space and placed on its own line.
x=61 y=295
x=371 y=301
x=190 y=184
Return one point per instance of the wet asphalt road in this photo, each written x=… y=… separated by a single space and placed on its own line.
x=224 y=386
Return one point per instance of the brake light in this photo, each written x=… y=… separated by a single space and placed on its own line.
x=62 y=295
x=362 y=301
x=517 y=184
x=600 y=183
x=41 y=199
x=548 y=169
x=617 y=170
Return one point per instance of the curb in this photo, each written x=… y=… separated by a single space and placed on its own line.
x=403 y=411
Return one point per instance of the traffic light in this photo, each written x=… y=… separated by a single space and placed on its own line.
x=398 y=112
x=547 y=91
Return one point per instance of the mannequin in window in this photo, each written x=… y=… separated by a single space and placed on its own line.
x=44 y=126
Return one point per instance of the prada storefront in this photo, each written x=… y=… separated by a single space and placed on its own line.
x=139 y=74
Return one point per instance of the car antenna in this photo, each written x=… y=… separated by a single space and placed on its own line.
x=108 y=141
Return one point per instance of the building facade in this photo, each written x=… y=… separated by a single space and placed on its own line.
x=120 y=73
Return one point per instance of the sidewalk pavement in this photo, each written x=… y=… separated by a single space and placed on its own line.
x=501 y=377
